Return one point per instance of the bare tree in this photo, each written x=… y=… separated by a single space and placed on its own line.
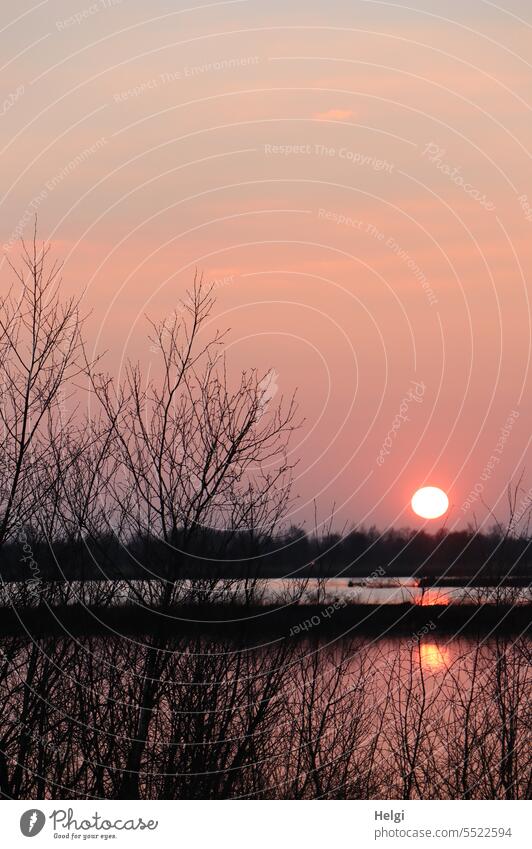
x=41 y=354
x=195 y=450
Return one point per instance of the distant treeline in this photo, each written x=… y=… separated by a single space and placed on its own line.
x=217 y=554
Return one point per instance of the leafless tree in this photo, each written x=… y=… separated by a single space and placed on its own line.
x=194 y=449
x=41 y=356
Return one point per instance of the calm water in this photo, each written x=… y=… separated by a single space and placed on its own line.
x=408 y=717
x=269 y=591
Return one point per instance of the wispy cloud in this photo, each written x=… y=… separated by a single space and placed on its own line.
x=334 y=115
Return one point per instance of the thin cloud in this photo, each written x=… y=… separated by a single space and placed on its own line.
x=334 y=115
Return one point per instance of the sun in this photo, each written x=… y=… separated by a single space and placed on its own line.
x=430 y=502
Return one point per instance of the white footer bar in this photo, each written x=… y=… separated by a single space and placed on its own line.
x=264 y=824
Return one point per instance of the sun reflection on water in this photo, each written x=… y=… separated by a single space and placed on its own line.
x=428 y=597
x=433 y=656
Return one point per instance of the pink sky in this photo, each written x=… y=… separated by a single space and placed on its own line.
x=352 y=175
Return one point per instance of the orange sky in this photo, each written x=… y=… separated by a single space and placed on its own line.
x=353 y=177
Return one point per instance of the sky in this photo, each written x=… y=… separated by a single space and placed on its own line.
x=354 y=177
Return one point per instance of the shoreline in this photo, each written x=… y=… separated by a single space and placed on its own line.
x=291 y=621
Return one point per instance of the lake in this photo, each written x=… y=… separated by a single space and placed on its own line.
x=416 y=716
x=280 y=591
